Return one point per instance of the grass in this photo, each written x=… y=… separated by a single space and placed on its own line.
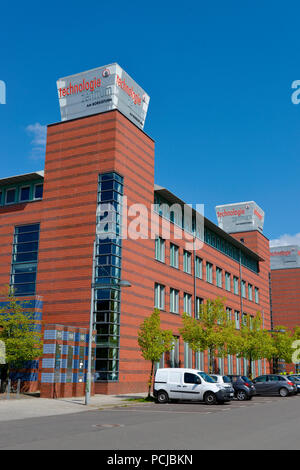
x=141 y=400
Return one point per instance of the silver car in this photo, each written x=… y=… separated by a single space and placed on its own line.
x=225 y=382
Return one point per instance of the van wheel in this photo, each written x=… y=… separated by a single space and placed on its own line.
x=162 y=397
x=210 y=398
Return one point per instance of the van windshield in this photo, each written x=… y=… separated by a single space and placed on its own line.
x=206 y=377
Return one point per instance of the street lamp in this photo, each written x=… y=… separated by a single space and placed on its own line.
x=121 y=283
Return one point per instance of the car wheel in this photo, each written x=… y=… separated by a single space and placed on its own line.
x=241 y=395
x=162 y=397
x=283 y=392
x=210 y=398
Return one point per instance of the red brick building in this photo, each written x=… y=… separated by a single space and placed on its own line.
x=285 y=285
x=47 y=233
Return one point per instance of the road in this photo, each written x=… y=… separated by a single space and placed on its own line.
x=263 y=423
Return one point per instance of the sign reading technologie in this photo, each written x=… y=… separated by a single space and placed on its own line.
x=99 y=90
x=240 y=217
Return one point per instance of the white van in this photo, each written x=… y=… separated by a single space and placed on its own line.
x=188 y=384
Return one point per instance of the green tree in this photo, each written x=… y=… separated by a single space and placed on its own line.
x=18 y=333
x=282 y=340
x=212 y=331
x=254 y=342
x=154 y=341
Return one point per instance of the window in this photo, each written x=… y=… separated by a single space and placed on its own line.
x=174 y=256
x=199 y=360
x=237 y=319
x=235 y=285
x=244 y=319
x=24 y=259
x=25 y=193
x=38 y=191
x=187 y=265
x=251 y=322
x=160 y=249
x=199 y=303
x=244 y=289
x=187 y=303
x=174 y=353
x=256 y=295
x=228 y=313
x=227 y=281
x=174 y=301
x=159 y=296
x=191 y=378
x=188 y=356
x=219 y=277
x=198 y=267
x=209 y=272
x=250 y=292
x=10 y=196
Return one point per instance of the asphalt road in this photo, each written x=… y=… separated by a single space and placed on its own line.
x=263 y=423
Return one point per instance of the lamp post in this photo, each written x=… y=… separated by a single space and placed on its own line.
x=121 y=283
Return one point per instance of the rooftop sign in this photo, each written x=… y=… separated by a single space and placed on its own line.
x=285 y=257
x=99 y=90
x=240 y=217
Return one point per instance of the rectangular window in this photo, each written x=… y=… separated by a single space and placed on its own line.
x=219 y=277
x=199 y=303
x=237 y=319
x=187 y=264
x=198 y=267
x=24 y=194
x=235 y=285
x=199 y=360
x=174 y=256
x=188 y=356
x=244 y=289
x=10 y=196
x=174 y=354
x=174 y=301
x=38 y=191
x=256 y=295
x=228 y=313
x=159 y=296
x=160 y=249
x=187 y=303
x=24 y=259
x=227 y=281
x=209 y=272
x=244 y=319
x=250 y=292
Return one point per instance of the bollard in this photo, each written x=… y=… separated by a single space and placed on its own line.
x=18 y=388
x=8 y=390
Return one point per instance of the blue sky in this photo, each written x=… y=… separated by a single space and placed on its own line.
x=219 y=75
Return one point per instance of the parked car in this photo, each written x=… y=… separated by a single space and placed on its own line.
x=274 y=384
x=188 y=384
x=243 y=387
x=296 y=380
x=225 y=382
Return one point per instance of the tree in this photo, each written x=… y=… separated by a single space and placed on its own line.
x=212 y=331
x=254 y=342
x=154 y=341
x=282 y=340
x=18 y=332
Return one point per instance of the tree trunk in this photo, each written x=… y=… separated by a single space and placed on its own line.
x=211 y=361
x=250 y=368
x=150 y=379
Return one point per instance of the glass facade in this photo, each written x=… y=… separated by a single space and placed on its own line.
x=24 y=259
x=108 y=276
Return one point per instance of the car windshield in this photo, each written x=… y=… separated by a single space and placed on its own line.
x=293 y=378
x=206 y=377
x=226 y=379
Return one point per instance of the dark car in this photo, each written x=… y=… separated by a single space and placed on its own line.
x=274 y=384
x=243 y=387
x=296 y=380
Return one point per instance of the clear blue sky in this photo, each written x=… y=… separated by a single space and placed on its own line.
x=219 y=76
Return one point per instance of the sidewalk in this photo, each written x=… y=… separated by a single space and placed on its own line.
x=33 y=407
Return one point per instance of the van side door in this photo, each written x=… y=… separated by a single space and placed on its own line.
x=175 y=385
x=191 y=388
